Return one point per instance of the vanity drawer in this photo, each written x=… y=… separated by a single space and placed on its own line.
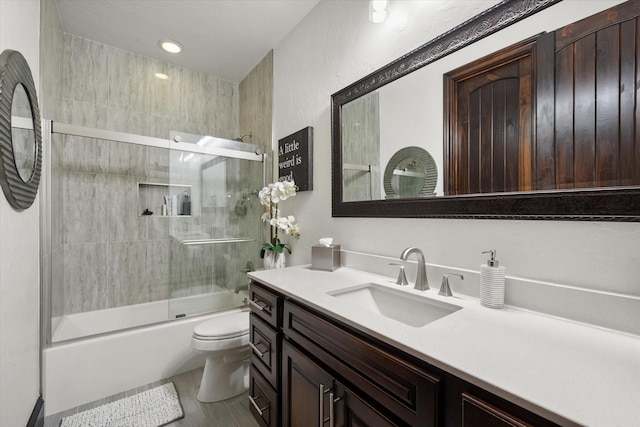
x=401 y=387
x=263 y=400
x=264 y=349
x=265 y=304
x=480 y=408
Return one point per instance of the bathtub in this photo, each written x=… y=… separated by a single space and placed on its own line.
x=128 y=347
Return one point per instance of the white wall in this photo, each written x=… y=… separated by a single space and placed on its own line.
x=336 y=45
x=19 y=252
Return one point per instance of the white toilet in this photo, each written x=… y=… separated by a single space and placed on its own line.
x=224 y=341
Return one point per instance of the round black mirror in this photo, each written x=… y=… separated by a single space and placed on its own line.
x=20 y=135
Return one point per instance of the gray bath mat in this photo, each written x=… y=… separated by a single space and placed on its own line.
x=152 y=408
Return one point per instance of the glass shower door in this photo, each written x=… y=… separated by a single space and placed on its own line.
x=213 y=218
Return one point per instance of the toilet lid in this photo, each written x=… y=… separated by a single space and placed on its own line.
x=222 y=327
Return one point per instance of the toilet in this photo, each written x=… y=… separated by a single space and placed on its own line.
x=224 y=341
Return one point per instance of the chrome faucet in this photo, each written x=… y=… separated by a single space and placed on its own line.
x=445 y=289
x=422 y=284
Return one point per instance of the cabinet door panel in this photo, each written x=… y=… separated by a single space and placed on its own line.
x=351 y=411
x=401 y=387
x=301 y=381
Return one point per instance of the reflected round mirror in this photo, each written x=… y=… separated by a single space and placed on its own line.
x=411 y=172
x=22 y=134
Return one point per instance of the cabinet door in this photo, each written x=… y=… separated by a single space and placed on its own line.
x=351 y=411
x=305 y=386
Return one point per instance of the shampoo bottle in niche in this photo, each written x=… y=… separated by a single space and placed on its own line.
x=492 y=282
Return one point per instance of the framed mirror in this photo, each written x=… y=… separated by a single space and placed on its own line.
x=20 y=134
x=362 y=127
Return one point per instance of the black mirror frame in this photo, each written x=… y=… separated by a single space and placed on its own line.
x=618 y=204
x=15 y=70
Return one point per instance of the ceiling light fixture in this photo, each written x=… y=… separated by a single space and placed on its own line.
x=378 y=11
x=170 y=46
x=161 y=76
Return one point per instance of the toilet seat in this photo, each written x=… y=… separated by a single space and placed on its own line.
x=234 y=325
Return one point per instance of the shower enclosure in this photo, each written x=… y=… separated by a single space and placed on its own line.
x=140 y=230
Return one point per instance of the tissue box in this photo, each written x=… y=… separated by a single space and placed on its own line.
x=325 y=258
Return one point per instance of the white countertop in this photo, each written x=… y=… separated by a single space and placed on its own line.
x=565 y=371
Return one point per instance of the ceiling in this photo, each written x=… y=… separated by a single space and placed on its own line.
x=226 y=38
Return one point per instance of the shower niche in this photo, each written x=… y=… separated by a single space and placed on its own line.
x=168 y=200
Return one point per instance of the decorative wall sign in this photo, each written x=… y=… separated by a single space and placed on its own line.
x=295 y=159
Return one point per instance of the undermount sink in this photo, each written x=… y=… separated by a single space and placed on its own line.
x=410 y=309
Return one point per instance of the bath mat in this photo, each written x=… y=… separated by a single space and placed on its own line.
x=156 y=407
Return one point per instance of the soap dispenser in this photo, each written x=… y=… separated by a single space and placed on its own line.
x=492 y=282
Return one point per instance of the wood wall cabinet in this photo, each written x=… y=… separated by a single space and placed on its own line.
x=320 y=372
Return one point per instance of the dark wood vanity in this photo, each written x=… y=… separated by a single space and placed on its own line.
x=308 y=369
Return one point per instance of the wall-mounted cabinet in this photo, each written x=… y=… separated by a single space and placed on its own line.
x=152 y=197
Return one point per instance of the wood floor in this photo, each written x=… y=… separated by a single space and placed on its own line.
x=233 y=412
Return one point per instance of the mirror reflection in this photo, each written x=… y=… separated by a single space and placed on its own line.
x=376 y=126
x=411 y=172
x=554 y=117
x=23 y=135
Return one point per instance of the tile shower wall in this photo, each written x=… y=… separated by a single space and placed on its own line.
x=363 y=149
x=256 y=104
x=105 y=254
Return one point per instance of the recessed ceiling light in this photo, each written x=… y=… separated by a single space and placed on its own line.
x=161 y=76
x=170 y=46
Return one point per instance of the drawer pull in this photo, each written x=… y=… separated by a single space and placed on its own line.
x=257 y=350
x=255 y=405
x=259 y=305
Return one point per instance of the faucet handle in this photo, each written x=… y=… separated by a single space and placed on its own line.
x=444 y=287
x=402 y=278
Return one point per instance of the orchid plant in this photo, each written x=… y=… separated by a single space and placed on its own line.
x=270 y=196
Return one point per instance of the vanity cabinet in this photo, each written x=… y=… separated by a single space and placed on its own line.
x=308 y=369
x=265 y=342
x=312 y=396
x=408 y=392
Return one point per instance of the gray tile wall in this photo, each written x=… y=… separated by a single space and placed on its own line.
x=104 y=253
x=361 y=127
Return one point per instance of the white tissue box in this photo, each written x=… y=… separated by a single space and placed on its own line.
x=325 y=258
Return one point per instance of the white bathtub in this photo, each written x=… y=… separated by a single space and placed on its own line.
x=87 y=369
